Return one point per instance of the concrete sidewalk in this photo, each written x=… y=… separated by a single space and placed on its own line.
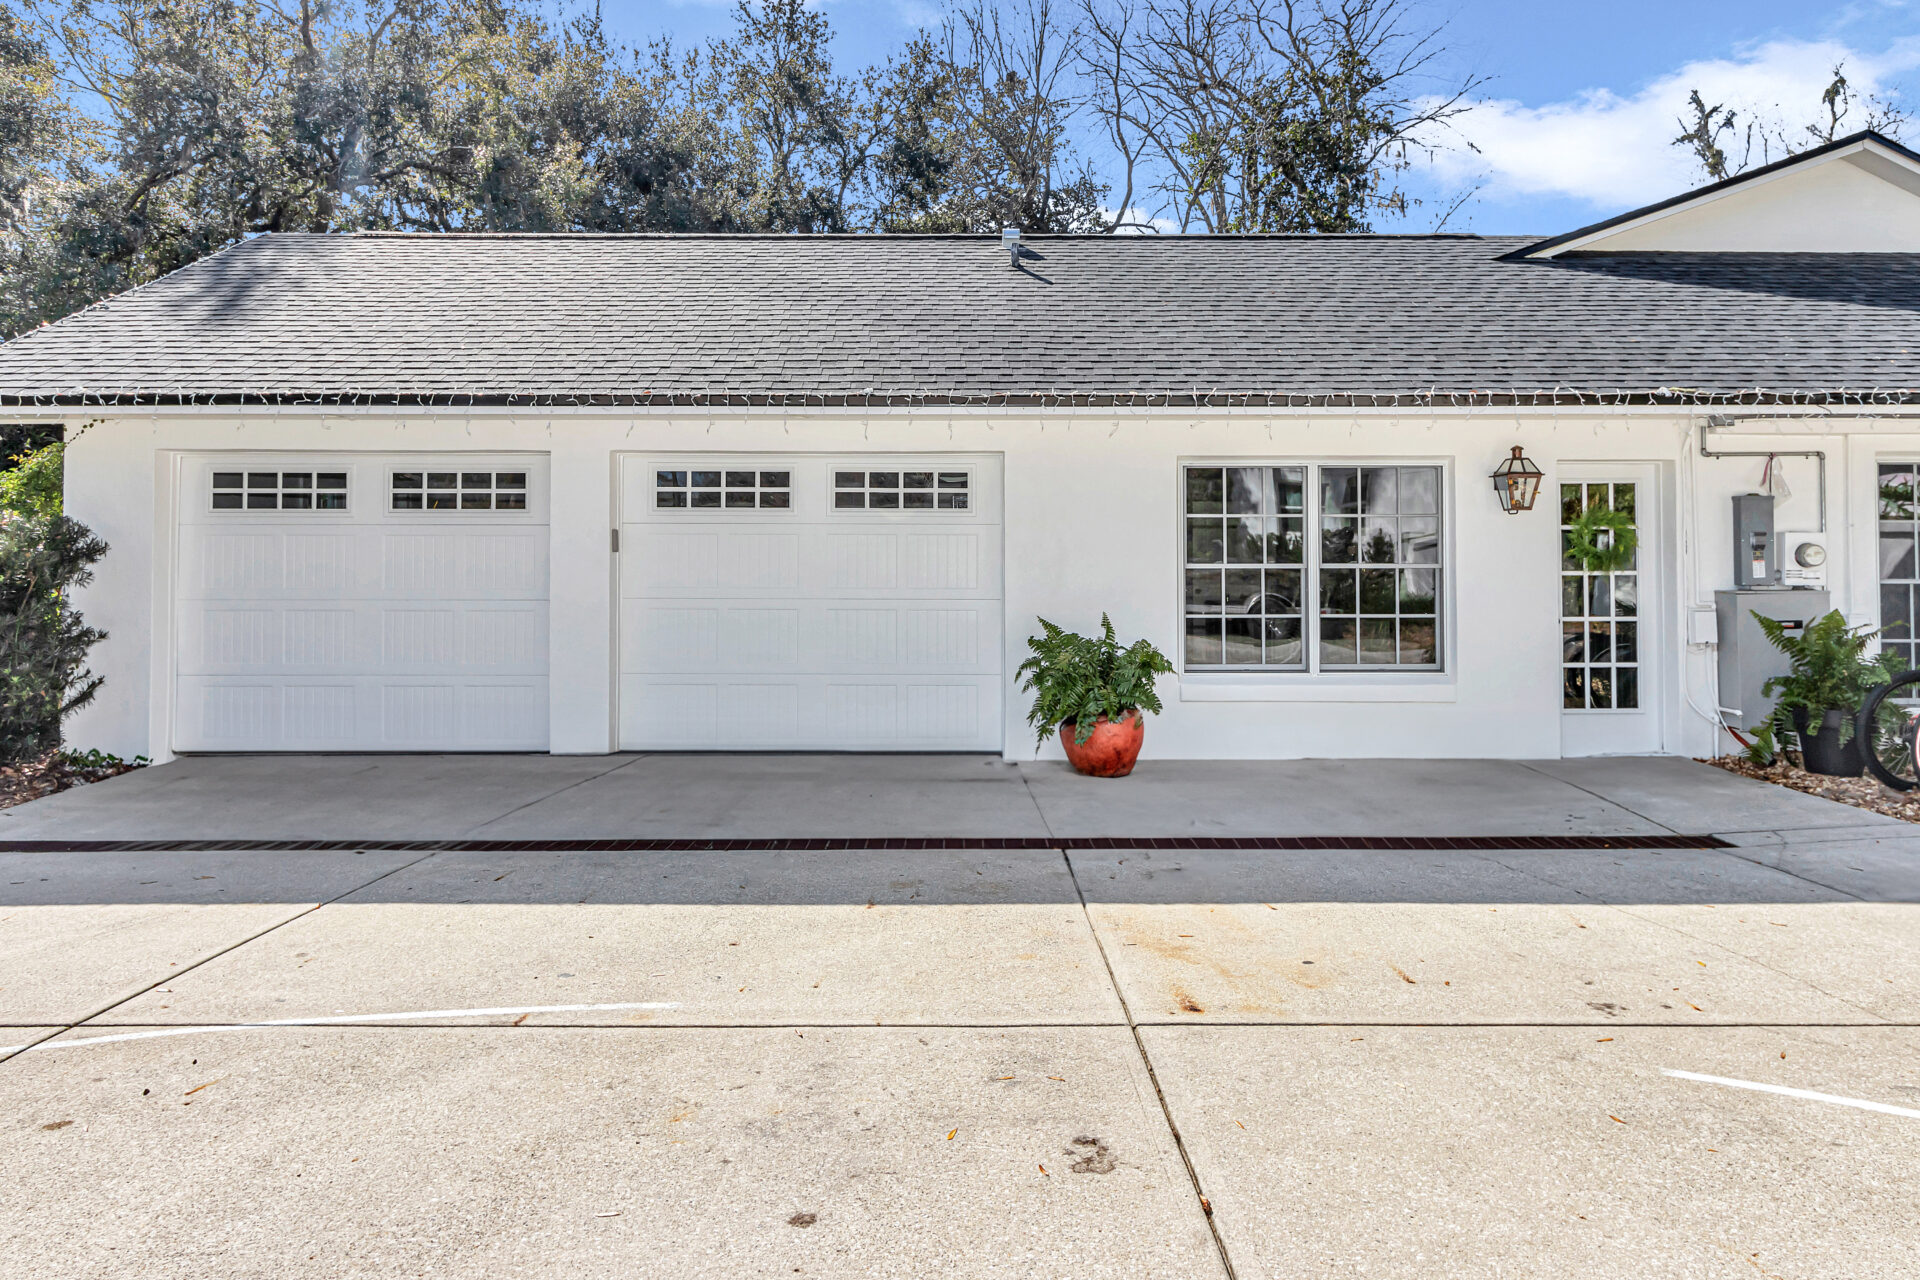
x=702 y=797
x=1138 y=1064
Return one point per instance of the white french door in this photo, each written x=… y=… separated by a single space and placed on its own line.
x=1611 y=667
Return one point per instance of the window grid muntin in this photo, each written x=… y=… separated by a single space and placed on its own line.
x=306 y=489
x=1600 y=663
x=1289 y=510
x=901 y=489
x=722 y=488
x=457 y=489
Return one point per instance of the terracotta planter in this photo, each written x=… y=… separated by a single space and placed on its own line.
x=1110 y=750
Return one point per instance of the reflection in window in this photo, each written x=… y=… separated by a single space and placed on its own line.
x=727 y=488
x=279 y=491
x=931 y=490
x=1899 y=566
x=459 y=490
x=1364 y=593
x=1599 y=611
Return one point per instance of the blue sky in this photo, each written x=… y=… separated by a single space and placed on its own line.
x=1580 y=100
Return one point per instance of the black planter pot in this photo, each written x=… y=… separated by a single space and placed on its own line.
x=1821 y=752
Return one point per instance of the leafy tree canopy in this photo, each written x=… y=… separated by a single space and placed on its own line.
x=139 y=135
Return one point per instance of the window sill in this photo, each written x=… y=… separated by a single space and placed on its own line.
x=1436 y=686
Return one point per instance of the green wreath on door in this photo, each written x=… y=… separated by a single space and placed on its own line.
x=1602 y=540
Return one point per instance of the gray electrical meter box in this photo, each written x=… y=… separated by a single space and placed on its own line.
x=1756 y=552
x=1747 y=659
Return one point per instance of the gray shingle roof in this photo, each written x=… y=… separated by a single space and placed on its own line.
x=677 y=319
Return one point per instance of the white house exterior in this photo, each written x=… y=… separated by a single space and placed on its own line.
x=594 y=494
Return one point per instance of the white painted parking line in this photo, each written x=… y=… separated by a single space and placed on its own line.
x=341 y=1020
x=1785 y=1091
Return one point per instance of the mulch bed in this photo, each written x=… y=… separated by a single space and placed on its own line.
x=51 y=773
x=1861 y=793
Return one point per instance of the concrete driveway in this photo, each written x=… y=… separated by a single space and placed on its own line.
x=975 y=1062
x=513 y=797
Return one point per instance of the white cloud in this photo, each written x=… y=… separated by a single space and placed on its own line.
x=1616 y=151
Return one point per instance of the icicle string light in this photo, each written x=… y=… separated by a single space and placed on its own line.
x=1431 y=398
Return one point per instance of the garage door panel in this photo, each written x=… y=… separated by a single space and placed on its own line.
x=812 y=713
x=460 y=638
x=362 y=714
x=665 y=637
x=809 y=626
x=363 y=628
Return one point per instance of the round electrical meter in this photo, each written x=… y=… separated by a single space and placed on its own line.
x=1809 y=555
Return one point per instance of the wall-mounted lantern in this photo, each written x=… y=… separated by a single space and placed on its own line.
x=1517 y=481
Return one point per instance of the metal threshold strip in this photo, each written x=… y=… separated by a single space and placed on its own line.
x=806 y=844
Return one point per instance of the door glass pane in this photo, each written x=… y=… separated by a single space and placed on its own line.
x=1600 y=656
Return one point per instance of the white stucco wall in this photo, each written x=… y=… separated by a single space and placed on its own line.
x=1092 y=524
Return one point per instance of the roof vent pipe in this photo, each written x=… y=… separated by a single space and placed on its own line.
x=1010 y=241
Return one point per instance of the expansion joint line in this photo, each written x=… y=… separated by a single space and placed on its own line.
x=102 y=1011
x=1146 y=1060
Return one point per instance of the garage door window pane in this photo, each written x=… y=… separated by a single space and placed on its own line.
x=728 y=489
x=276 y=491
x=901 y=490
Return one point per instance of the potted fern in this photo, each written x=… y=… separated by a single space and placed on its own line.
x=1094 y=693
x=1829 y=675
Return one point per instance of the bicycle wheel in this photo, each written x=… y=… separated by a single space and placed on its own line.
x=1889 y=730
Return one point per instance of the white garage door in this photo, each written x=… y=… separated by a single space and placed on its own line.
x=810 y=602
x=330 y=602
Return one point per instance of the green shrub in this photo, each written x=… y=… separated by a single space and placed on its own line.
x=1076 y=678
x=43 y=640
x=32 y=485
x=1828 y=670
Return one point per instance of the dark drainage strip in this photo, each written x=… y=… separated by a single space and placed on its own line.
x=567 y=845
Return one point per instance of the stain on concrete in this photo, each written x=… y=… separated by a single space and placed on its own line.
x=1094 y=1156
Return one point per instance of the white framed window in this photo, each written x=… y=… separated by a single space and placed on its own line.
x=1313 y=567
x=1899 y=534
x=458 y=490
x=279 y=491
x=722 y=488
x=893 y=489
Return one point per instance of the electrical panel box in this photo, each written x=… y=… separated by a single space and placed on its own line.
x=1747 y=658
x=1756 y=552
